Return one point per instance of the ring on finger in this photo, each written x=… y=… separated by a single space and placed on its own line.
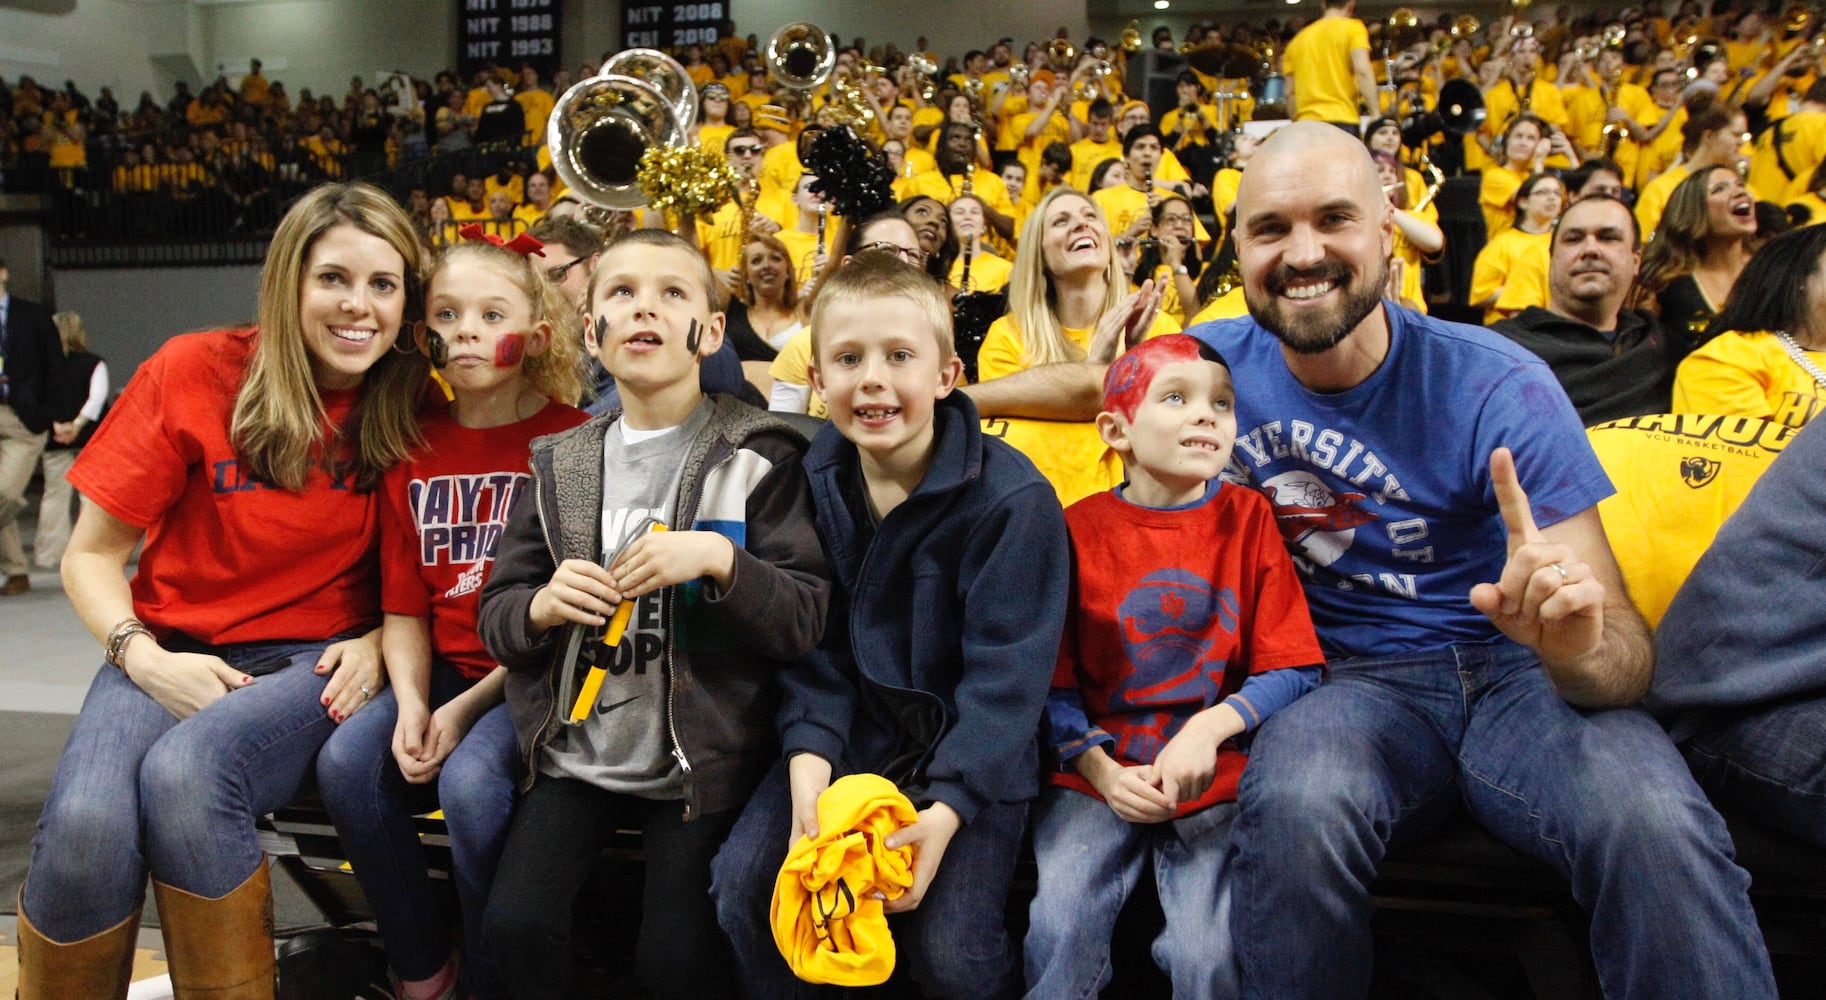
x=1564 y=576
x=368 y=692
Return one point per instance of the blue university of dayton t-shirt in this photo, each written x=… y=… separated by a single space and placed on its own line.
x=1383 y=491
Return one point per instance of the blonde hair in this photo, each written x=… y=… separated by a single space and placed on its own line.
x=278 y=424
x=1032 y=300
x=789 y=293
x=557 y=372
x=70 y=332
x=876 y=274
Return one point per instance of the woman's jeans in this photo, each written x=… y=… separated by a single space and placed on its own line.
x=139 y=792
x=373 y=807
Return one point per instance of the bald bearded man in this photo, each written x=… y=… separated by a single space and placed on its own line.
x=1439 y=497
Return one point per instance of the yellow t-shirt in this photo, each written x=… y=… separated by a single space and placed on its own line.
x=988 y=273
x=1086 y=154
x=1410 y=255
x=1318 y=65
x=1652 y=199
x=803 y=247
x=1679 y=477
x=1496 y=196
x=947 y=189
x=536 y=106
x=1123 y=204
x=1229 y=305
x=794 y=365
x=1070 y=454
x=1501 y=105
x=1803 y=137
x=1749 y=375
x=1516 y=262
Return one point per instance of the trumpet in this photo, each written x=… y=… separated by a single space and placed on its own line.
x=1131 y=37
x=600 y=127
x=924 y=68
x=1089 y=88
x=1466 y=27
x=1019 y=76
x=1062 y=54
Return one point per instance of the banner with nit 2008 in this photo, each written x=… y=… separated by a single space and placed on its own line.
x=671 y=26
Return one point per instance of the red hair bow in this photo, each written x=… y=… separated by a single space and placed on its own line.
x=523 y=244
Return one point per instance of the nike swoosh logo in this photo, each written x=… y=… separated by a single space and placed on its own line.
x=606 y=709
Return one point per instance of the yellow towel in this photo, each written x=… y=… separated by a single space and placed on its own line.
x=826 y=919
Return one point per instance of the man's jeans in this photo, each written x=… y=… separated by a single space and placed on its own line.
x=1386 y=747
x=1771 y=761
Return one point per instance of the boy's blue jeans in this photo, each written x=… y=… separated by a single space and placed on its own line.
x=1090 y=860
x=1388 y=746
x=1770 y=760
x=137 y=791
x=373 y=805
x=955 y=944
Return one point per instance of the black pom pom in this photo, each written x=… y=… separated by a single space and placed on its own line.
x=858 y=182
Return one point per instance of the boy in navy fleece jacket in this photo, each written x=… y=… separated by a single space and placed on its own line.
x=952 y=568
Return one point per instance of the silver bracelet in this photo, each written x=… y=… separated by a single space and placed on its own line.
x=119 y=636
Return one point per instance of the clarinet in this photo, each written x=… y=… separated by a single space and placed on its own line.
x=824 y=214
x=969 y=251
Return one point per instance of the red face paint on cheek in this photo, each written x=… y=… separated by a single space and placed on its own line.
x=510 y=349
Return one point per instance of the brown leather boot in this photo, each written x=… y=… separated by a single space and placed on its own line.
x=220 y=949
x=98 y=967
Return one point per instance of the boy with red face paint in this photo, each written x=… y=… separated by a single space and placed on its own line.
x=1175 y=649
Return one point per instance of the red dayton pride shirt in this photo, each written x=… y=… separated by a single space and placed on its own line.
x=445 y=511
x=1171 y=610
x=227 y=559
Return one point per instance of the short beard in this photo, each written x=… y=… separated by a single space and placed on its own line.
x=1318 y=334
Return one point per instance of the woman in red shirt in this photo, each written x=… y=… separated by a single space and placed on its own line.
x=246 y=461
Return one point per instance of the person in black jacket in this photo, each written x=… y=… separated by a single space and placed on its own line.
x=76 y=396
x=28 y=353
x=1613 y=362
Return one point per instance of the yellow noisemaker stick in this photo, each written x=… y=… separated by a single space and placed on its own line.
x=618 y=626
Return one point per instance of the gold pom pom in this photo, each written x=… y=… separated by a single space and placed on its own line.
x=685 y=180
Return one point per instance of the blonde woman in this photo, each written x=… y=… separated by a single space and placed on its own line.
x=78 y=392
x=247 y=461
x=1068 y=304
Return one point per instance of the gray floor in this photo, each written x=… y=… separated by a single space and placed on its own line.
x=47 y=659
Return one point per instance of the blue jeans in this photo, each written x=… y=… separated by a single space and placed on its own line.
x=1770 y=761
x=955 y=944
x=1384 y=750
x=373 y=805
x=139 y=792
x=1090 y=860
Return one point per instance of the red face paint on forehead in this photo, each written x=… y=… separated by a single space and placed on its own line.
x=1129 y=378
x=510 y=349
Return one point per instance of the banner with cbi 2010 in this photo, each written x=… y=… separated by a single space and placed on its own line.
x=672 y=25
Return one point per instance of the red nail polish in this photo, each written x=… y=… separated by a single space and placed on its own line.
x=246 y=679
x=326 y=701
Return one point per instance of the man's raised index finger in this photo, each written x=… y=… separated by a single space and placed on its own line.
x=1511 y=499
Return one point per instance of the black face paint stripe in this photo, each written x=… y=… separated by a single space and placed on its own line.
x=693 y=337
x=437 y=348
x=602 y=331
